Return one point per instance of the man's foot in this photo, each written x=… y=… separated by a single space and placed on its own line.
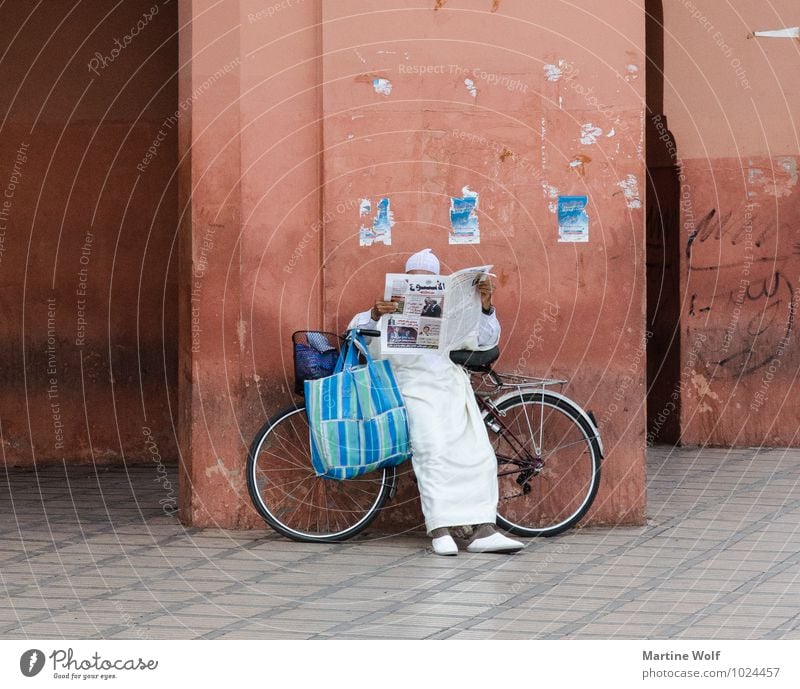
x=496 y=543
x=443 y=543
x=488 y=540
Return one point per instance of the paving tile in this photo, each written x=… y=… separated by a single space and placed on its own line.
x=617 y=631
x=303 y=613
x=721 y=540
x=260 y=634
x=489 y=634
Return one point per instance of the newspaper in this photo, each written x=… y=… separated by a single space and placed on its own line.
x=435 y=313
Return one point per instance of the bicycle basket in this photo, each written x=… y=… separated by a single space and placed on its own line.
x=315 y=356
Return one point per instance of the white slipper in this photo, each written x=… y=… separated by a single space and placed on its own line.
x=444 y=545
x=496 y=543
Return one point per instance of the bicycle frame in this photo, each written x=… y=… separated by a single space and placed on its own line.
x=526 y=465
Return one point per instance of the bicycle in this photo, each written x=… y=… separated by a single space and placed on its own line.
x=548 y=452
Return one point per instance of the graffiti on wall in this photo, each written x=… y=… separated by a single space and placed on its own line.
x=743 y=288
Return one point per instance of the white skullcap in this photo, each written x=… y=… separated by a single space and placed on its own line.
x=423 y=260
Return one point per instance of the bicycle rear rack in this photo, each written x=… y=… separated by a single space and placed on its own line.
x=513 y=380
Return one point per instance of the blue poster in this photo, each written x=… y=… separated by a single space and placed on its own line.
x=573 y=222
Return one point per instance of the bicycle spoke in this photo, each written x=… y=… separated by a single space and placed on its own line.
x=293 y=499
x=302 y=502
x=547 y=475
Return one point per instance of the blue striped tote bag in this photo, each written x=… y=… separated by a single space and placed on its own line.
x=357 y=417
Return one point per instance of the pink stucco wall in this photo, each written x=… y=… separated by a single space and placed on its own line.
x=282 y=148
x=731 y=102
x=88 y=332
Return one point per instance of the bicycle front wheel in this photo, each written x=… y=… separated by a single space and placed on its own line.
x=296 y=502
x=548 y=460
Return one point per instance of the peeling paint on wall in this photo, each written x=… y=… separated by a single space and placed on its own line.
x=464 y=227
x=631 y=72
x=578 y=162
x=471 y=87
x=630 y=189
x=381 y=230
x=382 y=86
x=589 y=134
x=704 y=391
x=551 y=194
x=554 y=72
x=777 y=182
x=789 y=165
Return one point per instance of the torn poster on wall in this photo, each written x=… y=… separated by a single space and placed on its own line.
x=791 y=32
x=464 y=227
x=573 y=222
x=382 y=86
x=381 y=230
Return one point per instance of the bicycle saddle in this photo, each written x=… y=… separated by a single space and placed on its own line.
x=475 y=360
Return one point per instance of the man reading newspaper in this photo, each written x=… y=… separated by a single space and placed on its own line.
x=453 y=459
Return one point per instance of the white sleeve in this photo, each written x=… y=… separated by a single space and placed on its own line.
x=363 y=320
x=488 y=330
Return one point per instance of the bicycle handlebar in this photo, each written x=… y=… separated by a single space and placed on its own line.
x=367 y=332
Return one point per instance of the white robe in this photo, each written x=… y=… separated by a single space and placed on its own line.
x=453 y=460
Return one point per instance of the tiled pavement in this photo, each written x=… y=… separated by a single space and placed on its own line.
x=89 y=554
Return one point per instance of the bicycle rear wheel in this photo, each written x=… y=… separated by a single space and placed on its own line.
x=548 y=463
x=296 y=502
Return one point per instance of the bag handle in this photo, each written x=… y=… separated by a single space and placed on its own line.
x=348 y=357
x=362 y=347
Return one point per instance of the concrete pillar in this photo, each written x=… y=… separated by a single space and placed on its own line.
x=250 y=231
x=210 y=382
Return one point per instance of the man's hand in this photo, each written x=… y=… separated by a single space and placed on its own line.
x=382 y=307
x=485 y=287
